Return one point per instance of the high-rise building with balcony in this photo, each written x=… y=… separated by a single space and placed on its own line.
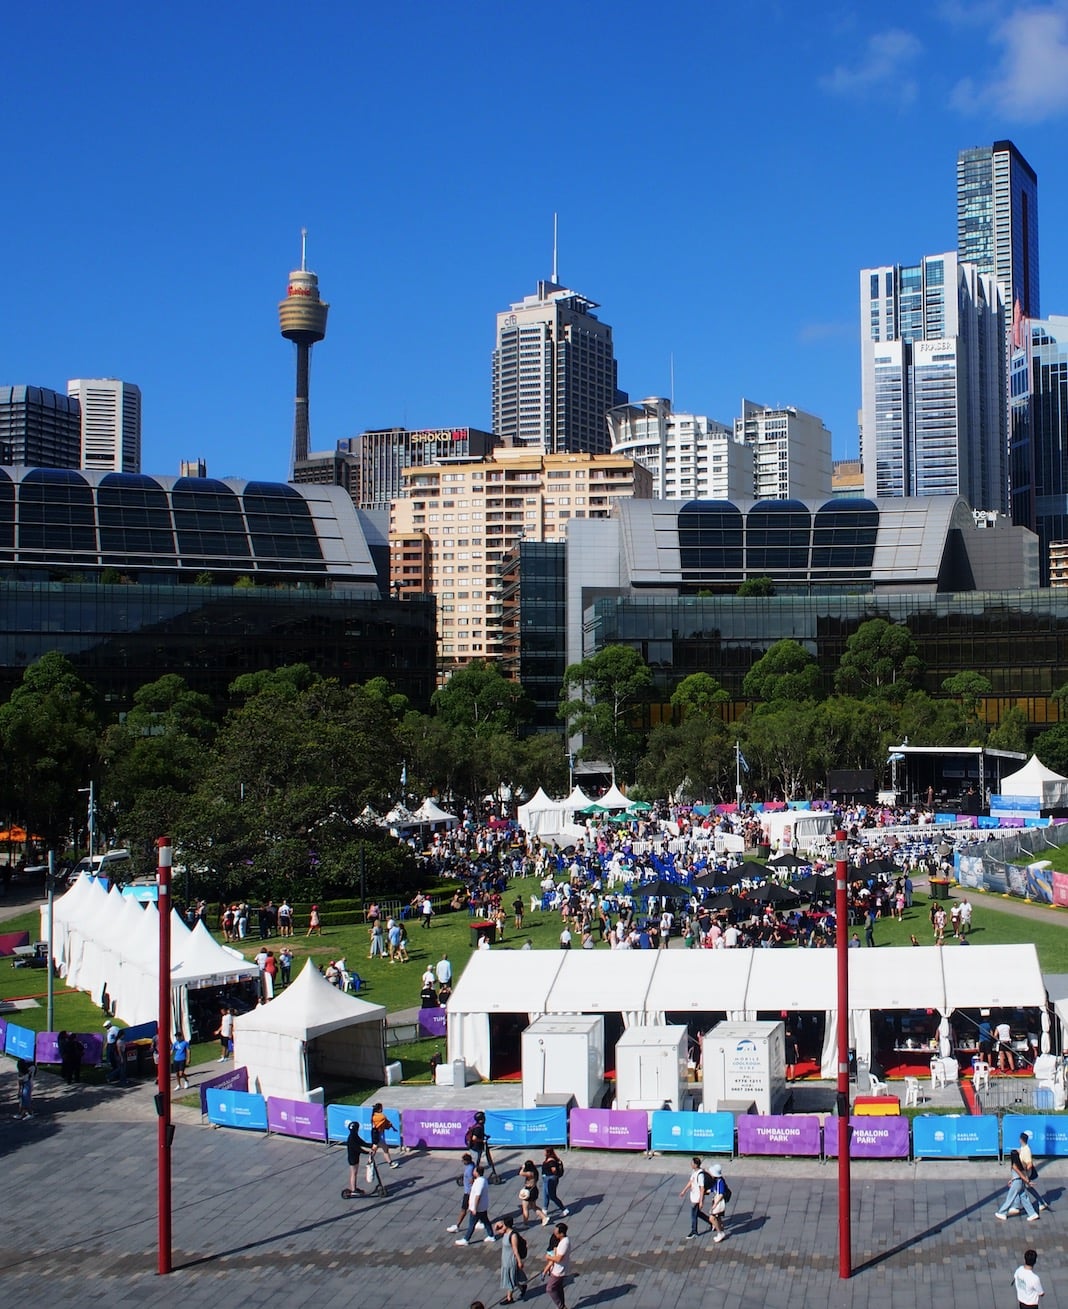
x=691 y=457
x=111 y=423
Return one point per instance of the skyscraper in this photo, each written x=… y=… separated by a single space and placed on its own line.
x=302 y=320
x=691 y=457
x=39 y=428
x=935 y=419
x=111 y=423
x=1039 y=447
x=997 y=220
x=791 y=451
x=554 y=374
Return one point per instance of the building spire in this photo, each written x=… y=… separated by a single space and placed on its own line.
x=556 y=281
x=303 y=249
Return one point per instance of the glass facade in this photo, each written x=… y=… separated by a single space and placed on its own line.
x=122 y=637
x=1018 y=639
x=1040 y=434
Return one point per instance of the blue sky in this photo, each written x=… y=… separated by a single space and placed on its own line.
x=720 y=177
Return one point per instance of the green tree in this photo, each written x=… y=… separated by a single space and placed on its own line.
x=880 y=659
x=785 y=672
x=1051 y=746
x=968 y=689
x=756 y=586
x=694 y=759
x=48 y=738
x=480 y=699
x=1011 y=732
x=599 y=698
x=779 y=745
x=699 y=694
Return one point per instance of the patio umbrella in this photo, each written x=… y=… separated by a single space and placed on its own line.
x=662 y=887
x=716 y=877
x=726 y=900
x=639 y=807
x=788 y=860
x=772 y=893
x=816 y=885
x=751 y=870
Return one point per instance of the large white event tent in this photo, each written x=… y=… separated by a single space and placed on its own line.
x=310 y=1032
x=650 y=987
x=104 y=941
x=1034 y=778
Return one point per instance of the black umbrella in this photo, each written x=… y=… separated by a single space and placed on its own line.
x=716 y=877
x=816 y=885
x=772 y=893
x=751 y=870
x=788 y=860
x=726 y=900
x=662 y=887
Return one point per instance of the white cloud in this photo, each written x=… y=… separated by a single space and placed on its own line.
x=1031 y=81
x=816 y=333
x=882 y=68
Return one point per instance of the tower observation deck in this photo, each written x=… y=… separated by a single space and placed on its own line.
x=302 y=320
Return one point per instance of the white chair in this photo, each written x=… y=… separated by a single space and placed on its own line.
x=981 y=1075
x=878 y=1087
x=943 y=1071
x=912 y=1091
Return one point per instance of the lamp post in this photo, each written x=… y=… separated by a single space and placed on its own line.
x=165 y=1129
x=841 y=915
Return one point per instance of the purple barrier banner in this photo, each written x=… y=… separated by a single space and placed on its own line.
x=778 y=1134
x=235 y=1080
x=432 y=1022
x=3 y=1033
x=47 y=1049
x=435 y=1129
x=9 y=940
x=609 y=1129
x=871 y=1138
x=296 y=1118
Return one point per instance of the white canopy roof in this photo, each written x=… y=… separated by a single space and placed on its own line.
x=198 y=959
x=431 y=812
x=1034 y=778
x=578 y=799
x=792 y=979
x=599 y=981
x=887 y=979
x=992 y=976
x=506 y=981
x=613 y=799
x=700 y=980
x=309 y=1007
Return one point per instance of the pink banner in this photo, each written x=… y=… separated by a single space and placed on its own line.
x=1060 y=888
x=435 y=1129
x=778 y=1134
x=9 y=940
x=870 y=1138
x=296 y=1118
x=609 y=1129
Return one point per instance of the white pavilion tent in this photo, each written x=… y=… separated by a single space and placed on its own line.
x=1035 y=779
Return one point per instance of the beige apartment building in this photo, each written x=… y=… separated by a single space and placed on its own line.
x=457 y=519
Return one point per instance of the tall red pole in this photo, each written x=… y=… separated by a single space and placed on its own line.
x=163 y=1042
x=841 y=920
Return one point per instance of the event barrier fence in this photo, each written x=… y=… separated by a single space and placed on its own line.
x=927 y=1136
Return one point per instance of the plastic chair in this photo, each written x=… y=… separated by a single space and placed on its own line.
x=878 y=1086
x=912 y=1091
x=981 y=1075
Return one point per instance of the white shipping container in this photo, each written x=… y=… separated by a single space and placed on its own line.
x=746 y=1063
x=651 y=1068
x=564 y=1056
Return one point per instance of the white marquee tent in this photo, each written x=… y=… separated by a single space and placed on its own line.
x=645 y=986
x=310 y=1032
x=1034 y=778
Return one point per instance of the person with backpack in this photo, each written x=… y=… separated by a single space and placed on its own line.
x=552 y=1169
x=513 y=1252
x=698 y=1186
x=380 y=1124
x=721 y=1194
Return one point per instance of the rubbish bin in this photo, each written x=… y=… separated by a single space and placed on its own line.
x=939 y=887
x=480 y=929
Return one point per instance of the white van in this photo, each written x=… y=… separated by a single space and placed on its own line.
x=110 y=864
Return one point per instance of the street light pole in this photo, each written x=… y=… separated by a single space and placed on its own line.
x=51 y=931
x=165 y=1130
x=841 y=915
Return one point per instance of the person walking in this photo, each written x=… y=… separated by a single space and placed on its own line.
x=477 y=1209
x=721 y=1194
x=513 y=1252
x=116 y=1052
x=1027 y=1282
x=1027 y=1163
x=557 y=1265
x=1019 y=1192
x=427 y=911
x=528 y=1192
x=466 y=1182
x=697 y=1186
x=378 y=949
x=552 y=1169
x=225 y=1033
x=315 y=926
x=354 y=1147
x=27 y=1071
x=180 y=1061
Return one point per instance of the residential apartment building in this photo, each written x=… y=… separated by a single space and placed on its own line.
x=690 y=457
x=457 y=520
x=791 y=451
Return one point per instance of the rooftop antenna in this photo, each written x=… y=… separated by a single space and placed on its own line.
x=303 y=249
x=555 y=278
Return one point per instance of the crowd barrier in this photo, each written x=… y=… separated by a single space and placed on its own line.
x=927 y=1136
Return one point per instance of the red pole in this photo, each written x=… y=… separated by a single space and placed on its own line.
x=841 y=919
x=163 y=1042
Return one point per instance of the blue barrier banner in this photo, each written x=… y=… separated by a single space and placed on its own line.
x=692 y=1132
x=338 y=1117
x=237 y=1109
x=534 y=1127
x=1049 y=1135
x=946 y=1136
x=21 y=1042
x=142 y=1032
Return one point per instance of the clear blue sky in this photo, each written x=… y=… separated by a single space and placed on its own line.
x=721 y=177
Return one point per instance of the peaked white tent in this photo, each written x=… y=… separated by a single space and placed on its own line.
x=613 y=799
x=310 y=1032
x=1034 y=778
x=578 y=799
x=431 y=812
x=540 y=814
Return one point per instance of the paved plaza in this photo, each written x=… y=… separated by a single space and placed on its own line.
x=258 y=1218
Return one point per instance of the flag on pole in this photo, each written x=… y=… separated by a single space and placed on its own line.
x=404 y=775
x=742 y=763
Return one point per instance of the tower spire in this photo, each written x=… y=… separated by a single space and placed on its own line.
x=303 y=249
x=555 y=270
